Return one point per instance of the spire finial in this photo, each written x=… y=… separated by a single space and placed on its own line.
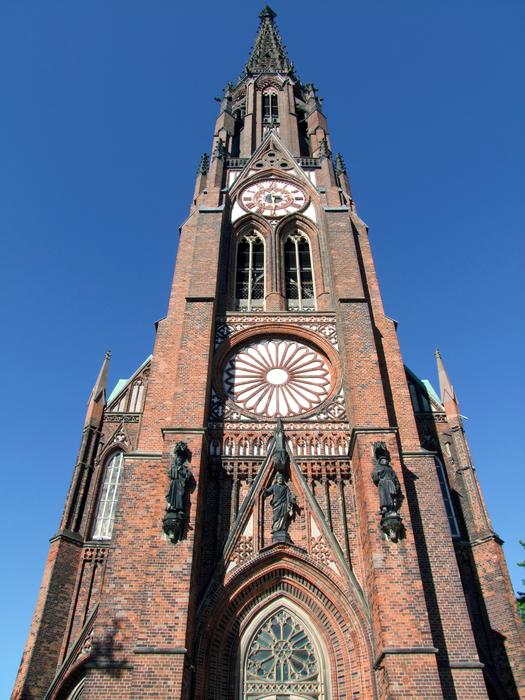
x=340 y=166
x=448 y=395
x=267 y=13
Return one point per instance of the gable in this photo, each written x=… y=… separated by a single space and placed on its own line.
x=122 y=398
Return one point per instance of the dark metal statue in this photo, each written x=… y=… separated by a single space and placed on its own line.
x=280 y=455
x=180 y=476
x=283 y=508
x=390 y=496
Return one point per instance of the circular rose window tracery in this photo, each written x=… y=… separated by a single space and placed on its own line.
x=277 y=378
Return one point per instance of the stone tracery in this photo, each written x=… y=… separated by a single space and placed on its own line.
x=277 y=378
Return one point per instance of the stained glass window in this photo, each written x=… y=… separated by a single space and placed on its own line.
x=281 y=660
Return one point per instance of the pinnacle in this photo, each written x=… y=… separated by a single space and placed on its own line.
x=97 y=398
x=448 y=395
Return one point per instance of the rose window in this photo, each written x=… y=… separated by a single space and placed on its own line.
x=277 y=378
x=281 y=659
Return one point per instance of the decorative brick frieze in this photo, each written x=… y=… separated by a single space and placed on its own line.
x=230 y=324
x=121 y=417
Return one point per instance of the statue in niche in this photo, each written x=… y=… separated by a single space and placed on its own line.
x=390 y=496
x=280 y=455
x=283 y=505
x=180 y=476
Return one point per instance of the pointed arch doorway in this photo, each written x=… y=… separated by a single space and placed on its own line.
x=282 y=656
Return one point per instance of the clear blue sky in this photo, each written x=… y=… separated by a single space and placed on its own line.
x=106 y=108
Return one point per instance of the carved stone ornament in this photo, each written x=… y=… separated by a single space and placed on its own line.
x=180 y=476
x=280 y=455
x=390 y=496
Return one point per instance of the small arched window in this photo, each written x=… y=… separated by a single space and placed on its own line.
x=108 y=497
x=298 y=274
x=249 y=276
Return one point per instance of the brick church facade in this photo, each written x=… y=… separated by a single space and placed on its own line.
x=273 y=506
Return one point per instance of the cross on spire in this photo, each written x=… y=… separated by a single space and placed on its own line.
x=268 y=54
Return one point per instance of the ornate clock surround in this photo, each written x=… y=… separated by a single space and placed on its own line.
x=273 y=197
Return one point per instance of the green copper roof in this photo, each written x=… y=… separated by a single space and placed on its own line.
x=122 y=383
x=426 y=385
x=431 y=390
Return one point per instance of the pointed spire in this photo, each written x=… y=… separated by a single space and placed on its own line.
x=448 y=395
x=268 y=53
x=97 y=399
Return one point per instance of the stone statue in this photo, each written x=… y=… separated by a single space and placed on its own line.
x=280 y=455
x=179 y=474
x=283 y=507
x=390 y=496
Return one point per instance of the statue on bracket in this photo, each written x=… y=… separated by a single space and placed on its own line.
x=180 y=476
x=390 y=496
x=283 y=501
x=283 y=508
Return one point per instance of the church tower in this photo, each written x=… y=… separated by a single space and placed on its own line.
x=273 y=506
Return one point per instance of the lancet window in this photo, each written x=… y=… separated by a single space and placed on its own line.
x=298 y=273
x=107 y=502
x=270 y=107
x=249 y=279
x=449 y=507
x=137 y=395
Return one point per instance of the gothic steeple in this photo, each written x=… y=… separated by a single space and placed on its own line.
x=268 y=53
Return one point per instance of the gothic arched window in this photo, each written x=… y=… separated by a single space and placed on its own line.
x=249 y=276
x=78 y=691
x=270 y=107
x=108 y=497
x=298 y=274
x=281 y=660
x=449 y=506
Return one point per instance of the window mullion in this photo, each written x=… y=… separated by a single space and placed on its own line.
x=250 y=275
x=298 y=266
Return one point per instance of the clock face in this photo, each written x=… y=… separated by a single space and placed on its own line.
x=273 y=198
